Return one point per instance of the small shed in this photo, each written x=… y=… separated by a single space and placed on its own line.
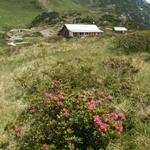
x=120 y=29
x=80 y=30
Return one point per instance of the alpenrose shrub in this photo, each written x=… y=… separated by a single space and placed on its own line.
x=79 y=120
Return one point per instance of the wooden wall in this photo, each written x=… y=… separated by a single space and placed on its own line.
x=87 y=34
x=64 y=32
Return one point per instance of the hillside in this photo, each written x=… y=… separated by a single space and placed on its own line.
x=17 y=12
x=64 y=5
x=132 y=13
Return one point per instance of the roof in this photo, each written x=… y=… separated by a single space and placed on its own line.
x=120 y=29
x=82 y=28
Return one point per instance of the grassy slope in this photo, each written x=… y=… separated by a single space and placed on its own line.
x=64 y=5
x=41 y=55
x=45 y=53
x=14 y=12
x=14 y=60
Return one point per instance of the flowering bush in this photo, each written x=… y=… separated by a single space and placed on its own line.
x=78 y=119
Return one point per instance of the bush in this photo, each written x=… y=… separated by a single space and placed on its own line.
x=119 y=77
x=46 y=18
x=88 y=19
x=74 y=77
x=63 y=120
x=135 y=42
x=2 y=35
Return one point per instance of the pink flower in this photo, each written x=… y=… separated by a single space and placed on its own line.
x=33 y=110
x=103 y=127
x=48 y=95
x=45 y=146
x=54 y=99
x=61 y=97
x=96 y=120
x=78 y=107
x=90 y=105
x=121 y=116
x=61 y=93
x=99 y=102
x=120 y=130
x=59 y=104
x=114 y=115
x=110 y=98
x=18 y=130
x=107 y=118
x=66 y=112
x=117 y=124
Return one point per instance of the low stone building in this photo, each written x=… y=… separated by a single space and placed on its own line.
x=80 y=30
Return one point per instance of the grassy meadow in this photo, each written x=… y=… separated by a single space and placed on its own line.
x=64 y=5
x=33 y=60
x=17 y=12
x=15 y=60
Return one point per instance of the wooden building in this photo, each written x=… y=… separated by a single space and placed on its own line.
x=80 y=30
x=120 y=29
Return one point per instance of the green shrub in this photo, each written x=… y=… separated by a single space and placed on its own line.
x=78 y=119
x=46 y=18
x=74 y=75
x=2 y=35
x=135 y=42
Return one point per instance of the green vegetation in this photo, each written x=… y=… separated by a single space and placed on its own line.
x=82 y=65
x=15 y=60
x=17 y=12
x=65 y=5
x=2 y=35
x=126 y=13
x=133 y=42
x=80 y=94
x=47 y=18
x=53 y=18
